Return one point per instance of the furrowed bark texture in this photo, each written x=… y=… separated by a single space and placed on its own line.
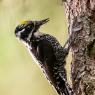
x=81 y=20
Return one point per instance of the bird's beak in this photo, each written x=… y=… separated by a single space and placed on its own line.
x=42 y=21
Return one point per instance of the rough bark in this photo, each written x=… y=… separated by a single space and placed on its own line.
x=81 y=20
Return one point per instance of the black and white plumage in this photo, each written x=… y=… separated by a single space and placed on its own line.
x=50 y=55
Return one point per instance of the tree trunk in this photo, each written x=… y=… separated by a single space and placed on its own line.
x=81 y=20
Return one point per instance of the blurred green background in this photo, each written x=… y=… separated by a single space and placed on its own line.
x=19 y=74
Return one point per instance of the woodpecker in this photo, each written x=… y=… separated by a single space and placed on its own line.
x=48 y=52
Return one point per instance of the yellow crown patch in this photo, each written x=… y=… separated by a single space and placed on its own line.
x=24 y=22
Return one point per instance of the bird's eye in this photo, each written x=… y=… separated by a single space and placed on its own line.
x=29 y=26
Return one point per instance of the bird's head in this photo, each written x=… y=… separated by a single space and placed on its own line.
x=27 y=29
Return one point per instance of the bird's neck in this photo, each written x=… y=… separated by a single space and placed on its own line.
x=38 y=34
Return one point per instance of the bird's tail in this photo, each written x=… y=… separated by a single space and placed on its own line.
x=67 y=89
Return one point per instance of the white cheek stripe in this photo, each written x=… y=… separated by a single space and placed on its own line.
x=19 y=33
